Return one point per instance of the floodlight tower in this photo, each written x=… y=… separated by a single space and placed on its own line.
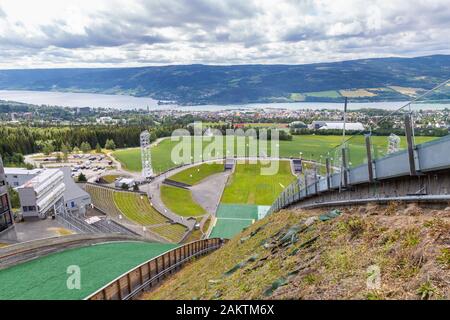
x=147 y=171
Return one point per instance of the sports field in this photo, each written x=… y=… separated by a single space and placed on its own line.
x=248 y=196
x=311 y=146
x=248 y=186
x=196 y=174
x=180 y=201
x=46 y=277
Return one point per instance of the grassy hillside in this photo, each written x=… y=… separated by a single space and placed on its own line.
x=206 y=84
x=290 y=255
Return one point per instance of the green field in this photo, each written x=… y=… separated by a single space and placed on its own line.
x=45 y=278
x=248 y=186
x=323 y=94
x=180 y=201
x=311 y=146
x=196 y=174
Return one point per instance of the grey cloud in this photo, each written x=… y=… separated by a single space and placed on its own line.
x=233 y=31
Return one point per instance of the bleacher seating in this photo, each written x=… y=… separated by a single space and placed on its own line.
x=136 y=208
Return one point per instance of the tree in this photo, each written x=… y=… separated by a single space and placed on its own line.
x=48 y=148
x=85 y=147
x=98 y=148
x=65 y=151
x=14 y=198
x=136 y=187
x=76 y=149
x=82 y=177
x=125 y=186
x=110 y=144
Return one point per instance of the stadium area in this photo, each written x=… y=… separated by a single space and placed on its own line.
x=311 y=147
x=45 y=278
x=137 y=209
x=247 y=197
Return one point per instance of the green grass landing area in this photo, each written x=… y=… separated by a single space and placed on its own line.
x=248 y=186
x=196 y=174
x=232 y=219
x=46 y=278
x=180 y=201
x=228 y=228
x=237 y=211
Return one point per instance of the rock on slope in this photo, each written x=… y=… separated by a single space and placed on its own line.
x=308 y=255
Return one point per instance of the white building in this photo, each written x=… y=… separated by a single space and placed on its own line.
x=128 y=181
x=18 y=176
x=76 y=199
x=52 y=190
x=43 y=194
x=336 y=125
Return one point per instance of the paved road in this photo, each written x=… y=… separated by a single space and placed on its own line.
x=209 y=191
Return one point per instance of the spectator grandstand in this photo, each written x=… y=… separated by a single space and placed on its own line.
x=136 y=209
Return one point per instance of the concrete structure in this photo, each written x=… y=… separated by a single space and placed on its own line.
x=76 y=199
x=16 y=177
x=42 y=195
x=336 y=125
x=7 y=229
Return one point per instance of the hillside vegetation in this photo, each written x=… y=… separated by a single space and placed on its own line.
x=299 y=254
x=381 y=79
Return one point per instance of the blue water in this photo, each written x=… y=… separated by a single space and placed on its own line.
x=95 y=100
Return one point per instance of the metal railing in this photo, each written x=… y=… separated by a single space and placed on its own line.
x=151 y=272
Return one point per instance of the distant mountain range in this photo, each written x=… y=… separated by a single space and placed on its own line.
x=380 y=79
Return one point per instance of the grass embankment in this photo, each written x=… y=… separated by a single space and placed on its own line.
x=279 y=257
x=180 y=201
x=311 y=146
x=137 y=209
x=196 y=174
x=248 y=186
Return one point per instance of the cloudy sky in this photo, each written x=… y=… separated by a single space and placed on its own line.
x=93 y=33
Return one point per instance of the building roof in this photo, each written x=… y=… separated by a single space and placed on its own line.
x=340 y=125
x=73 y=191
x=22 y=171
x=127 y=181
x=40 y=179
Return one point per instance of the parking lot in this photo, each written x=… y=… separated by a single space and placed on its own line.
x=91 y=164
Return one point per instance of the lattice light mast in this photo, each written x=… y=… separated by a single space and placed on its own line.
x=147 y=170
